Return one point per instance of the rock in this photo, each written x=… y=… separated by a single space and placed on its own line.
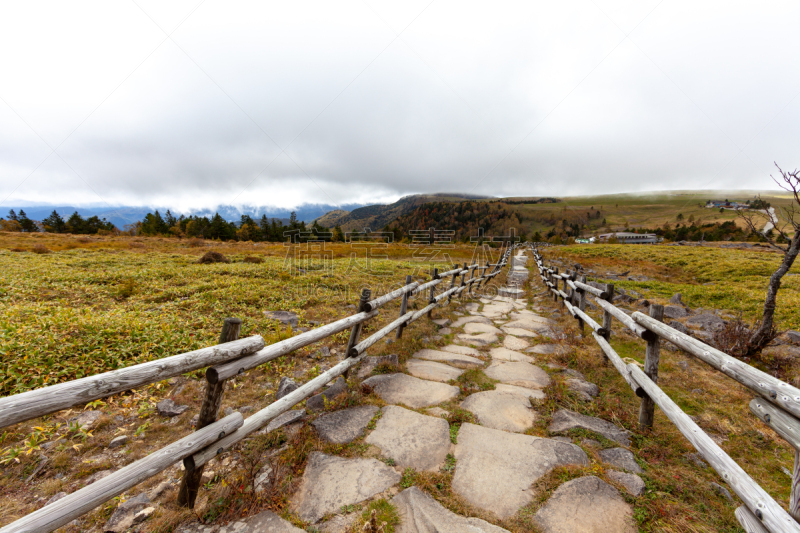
x=782 y=351
x=370 y=363
x=495 y=409
x=495 y=469
x=676 y=299
x=674 y=311
x=793 y=336
x=477 y=327
x=449 y=357
x=419 y=513
x=285 y=317
x=262 y=478
x=505 y=354
x=339 y=523
x=677 y=325
x=143 y=515
x=462 y=350
x=722 y=491
x=159 y=490
x=441 y=322
x=410 y=391
x=591 y=443
x=97 y=476
x=438 y=411
x=286 y=386
x=520 y=373
x=706 y=321
x=331 y=482
x=87 y=419
x=547 y=349
x=411 y=439
x=122 y=517
x=263 y=522
x=586 y=391
x=537 y=394
x=565 y=420
x=530 y=316
x=515 y=343
x=471 y=307
x=571 y=372
x=432 y=370
x=57 y=496
x=480 y=339
x=530 y=324
x=519 y=332
x=444 y=331
x=620 y=458
x=585 y=505
x=318 y=401
x=118 y=441
x=341 y=427
x=632 y=483
x=283 y=419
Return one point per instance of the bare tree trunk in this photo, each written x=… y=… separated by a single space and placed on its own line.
x=764 y=334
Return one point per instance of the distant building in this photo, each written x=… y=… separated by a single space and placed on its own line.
x=624 y=237
x=725 y=204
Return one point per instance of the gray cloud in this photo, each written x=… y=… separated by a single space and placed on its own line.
x=323 y=102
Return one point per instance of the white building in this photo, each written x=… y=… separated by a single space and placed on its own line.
x=625 y=237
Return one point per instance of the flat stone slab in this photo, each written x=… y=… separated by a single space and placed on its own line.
x=584 y=389
x=330 y=482
x=564 y=420
x=371 y=362
x=501 y=410
x=520 y=391
x=620 y=458
x=450 y=357
x=341 y=427
x=504 y=354
x=263 y=522
x=289 y=417
x=461 y=322
x=530 y=316
x=530 y=325
x=515 y=343
x=411 y=439
x=519 y=332
x=495 y=469
x=419 y=513
x=478 y=327
x=431 y=370
x=410 y=391
x=463 y=350
x=480 y=339
x=547 y=349
x=495 y=309
x=633 y=484
x=518 y=373
x=586 y=505
x=472 y=307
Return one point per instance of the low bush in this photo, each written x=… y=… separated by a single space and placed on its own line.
x=251 y=259
x=40 y=249
x=213 y=257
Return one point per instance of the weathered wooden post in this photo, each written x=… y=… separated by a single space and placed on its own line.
x=555 y=284
x=403 y=309
x=647 y=407
x=453 y=284
x=463 y=275
x=190 y=483
x=433 y=291
x=606 y=315
x=582 y=305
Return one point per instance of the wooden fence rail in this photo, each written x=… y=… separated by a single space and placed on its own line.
x=778 y=404
x=226 y=360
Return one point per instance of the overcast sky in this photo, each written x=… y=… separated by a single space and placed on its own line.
x=199 y=103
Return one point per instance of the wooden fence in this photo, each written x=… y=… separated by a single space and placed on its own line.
x=229 y=358
x=777 y=403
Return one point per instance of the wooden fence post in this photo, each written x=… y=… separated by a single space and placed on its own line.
x=190 y=482
x=463 y=275
x=606 y=315
x=355 y=333
x=403 y=308
x=453 y=284
x=555 y=284
x=647 y=407
x=433 y=291
x=582 y=305
x=794 y=498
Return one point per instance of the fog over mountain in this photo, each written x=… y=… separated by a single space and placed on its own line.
x=193 y=105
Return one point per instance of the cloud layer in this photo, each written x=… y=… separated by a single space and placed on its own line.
x=203 y=103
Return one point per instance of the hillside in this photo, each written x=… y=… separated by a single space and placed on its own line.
x=378 y=216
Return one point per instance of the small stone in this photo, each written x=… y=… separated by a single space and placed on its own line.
x=317 y=402
x=506 y=354
x=441 y=322
x=431 y=370
x=515 y=343
x=620 y=458
x=449 y=357
x=438 y=411
x=339 y=523
x=520 y=373
x=674 y=311
x=632 y=483
x=263 y=522
x=370 y=363
x=407 y=390
x=586 y=391
x=706 y=321
x=565 y=420
x=722 y=491
x=57 y=496
x=286 y=386
x=793 y=336
x=341 y=427
x=585 y=505
x=228 y=411
x=323 y=352
x=195 y=419
x=159 y=490
x=169 y=408
x=284 y=419
x=419 y=513
x=676 y=299
x=87 y=419
x=97 y=476
x=591 y=443
x=118 y=441
x=262 y=478
x=461 y=350
x=477 y=327
x=143 y=515
x=674 y=324
x=122 y=517
x=480 y=339
x=285 y=317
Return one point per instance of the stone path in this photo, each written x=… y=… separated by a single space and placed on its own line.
x=496 y=463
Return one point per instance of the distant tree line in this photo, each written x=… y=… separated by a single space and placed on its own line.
x=55 y=223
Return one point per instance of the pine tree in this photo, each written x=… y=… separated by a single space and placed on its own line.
x=54 y=223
